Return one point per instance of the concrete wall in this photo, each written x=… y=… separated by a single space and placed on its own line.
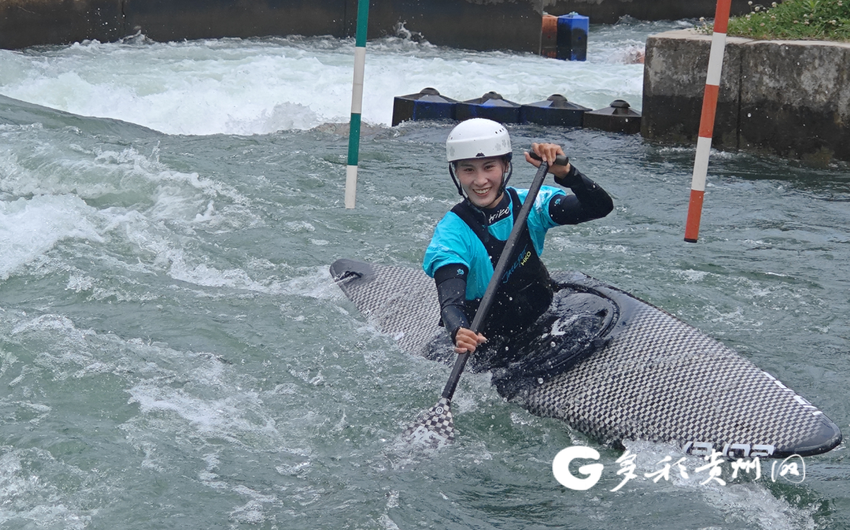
x=785 y=98
x=168 y=20
x=30 y=22
x=473 y=24
x=610 y=11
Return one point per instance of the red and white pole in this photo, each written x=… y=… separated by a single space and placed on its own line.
x=706 y=122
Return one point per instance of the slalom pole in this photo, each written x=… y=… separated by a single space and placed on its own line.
x=706 y=122
x=356 y=103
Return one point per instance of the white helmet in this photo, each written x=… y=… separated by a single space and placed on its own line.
x=477 y=138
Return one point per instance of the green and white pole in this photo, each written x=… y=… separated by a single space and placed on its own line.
x=356 y=103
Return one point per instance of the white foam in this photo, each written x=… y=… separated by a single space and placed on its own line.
x=211 y=403
x=31 y=227
x=233 y=413
x=207 y=276
x=748 y=502
x=53 y=207
x=214 y=403
x=241 y=87
x=691 y=275
x=33 y=498
x=153 y=204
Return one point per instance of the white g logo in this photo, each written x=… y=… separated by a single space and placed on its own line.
x=561 y=468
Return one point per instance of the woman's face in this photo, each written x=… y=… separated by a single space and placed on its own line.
x=481 y=179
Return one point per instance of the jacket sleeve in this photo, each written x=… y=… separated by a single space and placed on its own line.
x=589 y=201
x=451 y=290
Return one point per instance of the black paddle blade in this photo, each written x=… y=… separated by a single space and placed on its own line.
x=433 y=428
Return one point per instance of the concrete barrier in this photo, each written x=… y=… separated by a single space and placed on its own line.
x=473 y=24
x=795 y=99
x=610 y=11
x=169 y=20
x=786 y=98
x=31 y=22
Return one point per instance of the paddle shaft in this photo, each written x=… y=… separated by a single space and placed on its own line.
x=504 y=259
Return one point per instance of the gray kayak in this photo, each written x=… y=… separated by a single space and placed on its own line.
x=610 y=365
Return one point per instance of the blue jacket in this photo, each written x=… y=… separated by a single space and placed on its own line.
x=455 y=243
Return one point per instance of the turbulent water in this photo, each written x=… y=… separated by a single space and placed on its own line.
x=174 y=354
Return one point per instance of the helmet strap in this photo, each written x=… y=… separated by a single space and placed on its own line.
x=507 y=175
x=455 y=180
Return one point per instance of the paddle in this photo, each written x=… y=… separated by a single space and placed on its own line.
x=434 y=427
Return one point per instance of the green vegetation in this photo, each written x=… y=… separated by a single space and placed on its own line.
x=794 y=20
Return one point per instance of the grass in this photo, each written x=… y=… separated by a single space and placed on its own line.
x=793 y=20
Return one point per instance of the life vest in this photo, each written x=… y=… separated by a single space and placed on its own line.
x=525 y=291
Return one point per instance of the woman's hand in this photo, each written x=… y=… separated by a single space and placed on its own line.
x=466 y=340
x=548 y=152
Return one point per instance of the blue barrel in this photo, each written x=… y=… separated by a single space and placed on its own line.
x=572 y=37
x=555 y=110
x=491 y=106
x=428 y=104
x=616 y=118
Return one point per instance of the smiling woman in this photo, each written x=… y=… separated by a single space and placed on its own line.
x=481 y=179
x=479 y=154
x=470 y=240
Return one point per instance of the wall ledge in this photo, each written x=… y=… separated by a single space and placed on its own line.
x=783 y=98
